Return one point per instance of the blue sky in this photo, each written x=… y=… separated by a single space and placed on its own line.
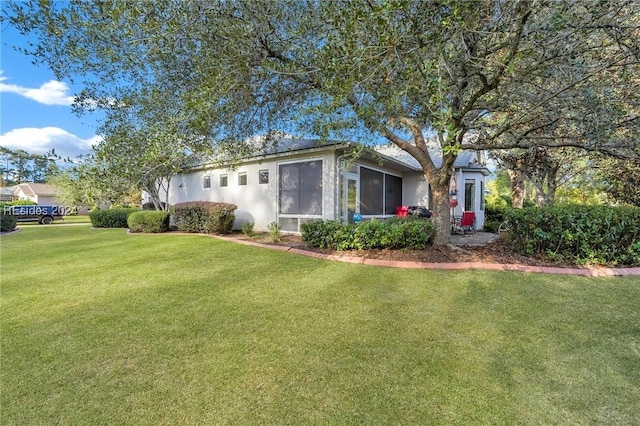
x=35 y=108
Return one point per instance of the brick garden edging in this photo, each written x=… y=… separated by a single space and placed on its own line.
x=592 y=271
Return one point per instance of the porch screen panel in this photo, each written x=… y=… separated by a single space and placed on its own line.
x=301 y=188
x=311 y=187
x=371 y=192
x=393 y=193
x=289 y=201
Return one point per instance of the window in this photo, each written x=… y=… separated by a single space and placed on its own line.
x=469 y=195
x=482 y=194
x=300 y=186
x=242 y=178
x=380 y=193
x=206 y=183
x=224 y=181
x=263 y=176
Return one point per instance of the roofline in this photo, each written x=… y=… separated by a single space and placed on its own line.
x=260 y=158
x=482 y=169
x=333 y=146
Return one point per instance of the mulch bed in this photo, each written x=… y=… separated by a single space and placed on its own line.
x=497 y=251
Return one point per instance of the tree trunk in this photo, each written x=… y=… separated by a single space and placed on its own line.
x=152 y=190
x=166 y=196
x=552 y=185
x=441 y=210
x=517 y=186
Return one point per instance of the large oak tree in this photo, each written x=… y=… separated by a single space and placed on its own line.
x=498 y=74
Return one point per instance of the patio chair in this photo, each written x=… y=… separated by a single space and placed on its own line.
x=466 y=223
x=402 y=211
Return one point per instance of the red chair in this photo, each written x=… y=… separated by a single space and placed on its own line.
x=402 y=211
x=466 y=223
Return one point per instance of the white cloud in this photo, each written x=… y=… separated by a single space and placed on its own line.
x=42 y=140
x=50 y=93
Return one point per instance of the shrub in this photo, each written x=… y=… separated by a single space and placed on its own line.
x=204 y=217
x=220 y=219
x=396 y=233
x=22 y=203
x=494 y=214
x=111 y=218
x=247 y=229
x=491 y=226
x=148 y=221
x=274 y=232
x=7 y=222
x=583 y=234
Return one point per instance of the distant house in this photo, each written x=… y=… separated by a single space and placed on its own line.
x=40 y=193
x=303 y=180
x=6 y=193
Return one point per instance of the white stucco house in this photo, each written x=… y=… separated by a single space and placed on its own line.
x=302 y=180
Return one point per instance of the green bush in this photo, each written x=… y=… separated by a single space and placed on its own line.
x=582 y=234
x=494 y=214
x=204 y=217
x=491 y=226
x=274 y=232
x=20 y=203
x=111 y=218
x=247 y=229
x=148 y=221
x=396 y=233
x=7 y=222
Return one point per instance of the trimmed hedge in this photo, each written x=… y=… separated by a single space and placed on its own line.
x=149 y=221
x=111 y=218
x=18 y=203
x=204 y=217
x=395 y=233
x=7 y=222
x=583 y=234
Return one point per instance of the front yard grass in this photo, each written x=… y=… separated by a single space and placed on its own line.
x=101 y=327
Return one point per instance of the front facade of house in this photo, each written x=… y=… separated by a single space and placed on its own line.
x=40 y=193
x=305 y=182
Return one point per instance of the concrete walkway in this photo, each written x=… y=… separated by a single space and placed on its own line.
x=477 y=239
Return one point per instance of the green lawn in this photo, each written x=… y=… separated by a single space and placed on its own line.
x=66 y=220
x=101 y=327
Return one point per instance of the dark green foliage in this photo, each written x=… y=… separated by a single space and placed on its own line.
x=148 y=221
x=204 y=217
x=111 y=218
x=583 y=234
x=494 y=214
x=493 y=217
x=394 y=233
x=491 y=226
x=7 y=222
x=18 y=203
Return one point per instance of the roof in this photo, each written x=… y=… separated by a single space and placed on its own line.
x=32 y=188
x=273 y=146
x=467 y=159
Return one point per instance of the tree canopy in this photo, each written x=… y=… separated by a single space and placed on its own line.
x=498 y=74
